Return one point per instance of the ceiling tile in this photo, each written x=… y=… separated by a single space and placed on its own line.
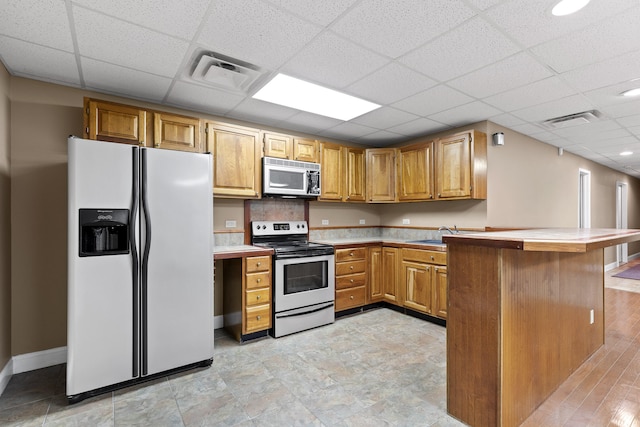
x=166 y=16
x=333 y=61
x=634 y=130
x=583 y=131
x=611 y=95
x=380 y=138
x=510 y=73
x=419 y=127
x=255 y=110
x=465 y=114
x=395 y=28
x=623 y=110
x=538 y=92
x=433 y=101
x=390 y=83
x=605 y=73
x=531 y=22
x=200 y=98
x=384 y=117
x=43 y=22
x=603 y=40
x=484 y=4
x=121 y=43
x=528 y=129
x=309 y=122
x=26 y=59
x=557 y=108
x=115 y=79
x=260 y=33
x=348 y=131
x=321 y=12
x=506 y=120
x=628 y=121
x=449 y=55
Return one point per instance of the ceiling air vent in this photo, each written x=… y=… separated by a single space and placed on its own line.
x=573 y=119
x=225 y=73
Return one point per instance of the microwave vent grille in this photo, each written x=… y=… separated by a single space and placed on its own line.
x=272 y=161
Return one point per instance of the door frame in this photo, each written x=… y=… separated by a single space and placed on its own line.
x=622 y=212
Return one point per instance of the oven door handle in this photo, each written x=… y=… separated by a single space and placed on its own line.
x=281 y=316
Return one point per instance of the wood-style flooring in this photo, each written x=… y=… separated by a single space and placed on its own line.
x=605 y=390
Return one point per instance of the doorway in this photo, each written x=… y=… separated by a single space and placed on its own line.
x=584 y=208
x=622 y=250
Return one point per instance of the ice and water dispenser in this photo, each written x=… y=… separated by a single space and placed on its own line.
x=104 y=232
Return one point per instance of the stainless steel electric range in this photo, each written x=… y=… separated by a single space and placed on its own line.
x=303 y=276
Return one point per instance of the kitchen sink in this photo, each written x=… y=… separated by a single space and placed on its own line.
x=427 y=242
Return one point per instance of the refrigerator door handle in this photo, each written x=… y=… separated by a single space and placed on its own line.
x=134 y=261
x=145 y=262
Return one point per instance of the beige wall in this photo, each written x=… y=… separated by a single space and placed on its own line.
x=5 y=220
x=529 y=185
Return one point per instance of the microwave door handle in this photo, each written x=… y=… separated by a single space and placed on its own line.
x=272 y=184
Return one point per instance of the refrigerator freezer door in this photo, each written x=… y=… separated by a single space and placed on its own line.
x=100 y=293
x=179 y=197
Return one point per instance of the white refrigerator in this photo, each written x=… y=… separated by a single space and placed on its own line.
x=140 y=264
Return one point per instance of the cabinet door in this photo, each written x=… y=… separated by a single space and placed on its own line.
x=381 y=174
x=176 y=132
x=416 y=279
x=105 y=121
x=453 y=179
x=330 y=171
x=305 y=150
x=375 y=292
x=355 y=176
x=415 y=172
x=440 y=291
x=236 y=160
x=277 y=145
x=390 y=275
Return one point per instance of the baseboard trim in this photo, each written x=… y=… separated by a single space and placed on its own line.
x=218 y=322
x=39 y=359
x=5 y=375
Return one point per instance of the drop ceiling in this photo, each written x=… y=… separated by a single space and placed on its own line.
x=432 y=65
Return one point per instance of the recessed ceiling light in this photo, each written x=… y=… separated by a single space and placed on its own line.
x=631 y=92
x=626 y=153
x=295 y=93
x=567 y=7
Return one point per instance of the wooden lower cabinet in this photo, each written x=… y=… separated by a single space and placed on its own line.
x=390 y=275
x=374 y=290
x=351 y=277
x=247 y=295
x=424 y=281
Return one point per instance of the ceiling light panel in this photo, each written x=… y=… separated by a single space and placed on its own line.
x=567 y=7
x=295 y=93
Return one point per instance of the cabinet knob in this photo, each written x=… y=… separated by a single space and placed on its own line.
x=351 y=280
x=258 y=264
x=350 y=253
x=257 y=296
x=351 y=267
x=432 y=258
x=438 y=194
x=351 y=297
x=258 y=317
x=258 y=280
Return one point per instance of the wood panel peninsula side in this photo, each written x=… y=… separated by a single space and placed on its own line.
x=520 y=317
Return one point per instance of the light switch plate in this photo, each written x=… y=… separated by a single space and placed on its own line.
x=325 y=222
x=230 y=224
x=406 y=221
x=362 y=222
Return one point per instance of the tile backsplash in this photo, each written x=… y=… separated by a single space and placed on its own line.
x=272 y=209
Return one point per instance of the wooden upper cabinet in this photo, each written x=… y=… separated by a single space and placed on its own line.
x=277 y=145
x=236 y=160
x=355 y=174
x=415 y=172
x=106 y=121
x=176 y=132
x=461 y=166
x=381 y=174
x=291 y=148
x=305 y=150
x=331 y=168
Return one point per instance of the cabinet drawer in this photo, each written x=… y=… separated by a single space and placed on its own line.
x=343 y=268
x=258 y=318
x=258 y=263
x=350 y=254
x=258 y=280
x=258 y=296
x=430 y=257
x=351 y=280
x=349 y=298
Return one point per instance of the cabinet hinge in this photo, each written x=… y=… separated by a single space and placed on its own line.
x=87 y=110
x=87 y=130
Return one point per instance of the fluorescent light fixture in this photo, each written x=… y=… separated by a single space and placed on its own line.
x=305 y=96
x=626 y=153
x=567 y=7
x=631 y=92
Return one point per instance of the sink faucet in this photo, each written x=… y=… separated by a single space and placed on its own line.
x=444 y=227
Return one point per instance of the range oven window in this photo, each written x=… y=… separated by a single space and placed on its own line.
x=305 y=276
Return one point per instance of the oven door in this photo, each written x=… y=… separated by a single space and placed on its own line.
x=302 y=282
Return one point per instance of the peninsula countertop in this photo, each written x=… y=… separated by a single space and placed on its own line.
x=548 y=239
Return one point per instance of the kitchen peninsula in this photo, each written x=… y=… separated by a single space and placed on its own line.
x=526 y=308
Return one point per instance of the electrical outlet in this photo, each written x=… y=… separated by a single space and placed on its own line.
x=325 y=222
x=362 y=221
x=406 y=221
x=230 y=223
x=591 y=317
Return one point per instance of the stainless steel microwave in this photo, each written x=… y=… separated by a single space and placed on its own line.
x=290 y=178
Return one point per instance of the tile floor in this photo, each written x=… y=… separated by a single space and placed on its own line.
x=379 y=368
